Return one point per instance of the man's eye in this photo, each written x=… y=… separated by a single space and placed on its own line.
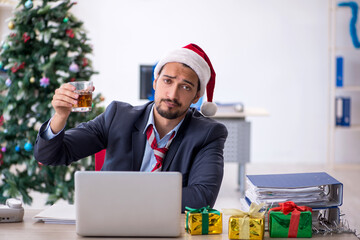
x=166 y=80
x=187 y=88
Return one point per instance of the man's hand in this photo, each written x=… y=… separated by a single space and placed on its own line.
x=63 y=100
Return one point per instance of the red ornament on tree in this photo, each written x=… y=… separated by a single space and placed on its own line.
x=72 y=79
x=25 y=37
x=70 y=33
x=84 y=62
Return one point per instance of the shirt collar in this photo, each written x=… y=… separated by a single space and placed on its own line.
x=152 y=121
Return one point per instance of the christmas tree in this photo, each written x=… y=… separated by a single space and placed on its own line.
x=47 y=47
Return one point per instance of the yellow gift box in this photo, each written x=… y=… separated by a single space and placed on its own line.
x=246 y=225
x=203 y=221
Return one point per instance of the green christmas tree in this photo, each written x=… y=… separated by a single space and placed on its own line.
x=47 y=47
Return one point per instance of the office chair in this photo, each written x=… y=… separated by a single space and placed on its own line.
x=99 y=159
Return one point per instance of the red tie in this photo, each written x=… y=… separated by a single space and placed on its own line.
x=158 y=152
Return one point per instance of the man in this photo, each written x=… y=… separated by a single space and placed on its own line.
x=164 y=135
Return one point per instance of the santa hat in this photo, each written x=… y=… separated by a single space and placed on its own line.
x=193 y=56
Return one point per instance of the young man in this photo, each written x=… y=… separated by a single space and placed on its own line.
x=164 y=135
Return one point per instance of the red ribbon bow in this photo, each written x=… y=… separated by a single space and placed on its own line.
x=15 y=68
x=295 y=210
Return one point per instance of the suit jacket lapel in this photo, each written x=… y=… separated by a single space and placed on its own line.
x=176 y=143
x=139 y=139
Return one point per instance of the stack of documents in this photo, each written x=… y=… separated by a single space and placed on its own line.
x=58 y=214
x=301 y=196
x=317 y=190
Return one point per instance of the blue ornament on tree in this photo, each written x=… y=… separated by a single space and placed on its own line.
x=1 y=65
x=5 y=46
x=28 y=146
x=28 y=4
x=17 y=148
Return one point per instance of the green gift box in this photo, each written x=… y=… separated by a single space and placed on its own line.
x=290 y=221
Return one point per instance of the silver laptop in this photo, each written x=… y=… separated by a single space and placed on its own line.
x=128 y=203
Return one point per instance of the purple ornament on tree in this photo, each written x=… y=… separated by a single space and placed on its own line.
x=8 y=82
x=3 y=149
x=74 y=68
x=44 y=82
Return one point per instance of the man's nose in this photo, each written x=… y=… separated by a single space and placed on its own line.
x=173 y=92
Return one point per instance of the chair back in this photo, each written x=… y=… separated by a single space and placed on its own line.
x=99 y=159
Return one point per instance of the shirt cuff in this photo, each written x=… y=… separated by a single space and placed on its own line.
x=48 y=134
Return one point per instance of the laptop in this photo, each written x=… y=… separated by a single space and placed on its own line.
x=128 y=203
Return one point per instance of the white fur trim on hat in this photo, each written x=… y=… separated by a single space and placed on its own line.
x=190 y=58
x=208 y=109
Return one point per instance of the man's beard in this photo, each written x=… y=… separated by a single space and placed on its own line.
x=168 y=114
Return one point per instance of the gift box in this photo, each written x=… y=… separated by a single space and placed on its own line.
x=246 y=225
x=203 y=221
x=290 y=221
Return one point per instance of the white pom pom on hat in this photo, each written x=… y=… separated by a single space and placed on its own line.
x=193 y=56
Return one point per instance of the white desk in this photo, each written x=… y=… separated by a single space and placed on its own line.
x=237 y=145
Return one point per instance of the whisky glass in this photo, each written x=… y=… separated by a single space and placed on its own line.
x=84 y=89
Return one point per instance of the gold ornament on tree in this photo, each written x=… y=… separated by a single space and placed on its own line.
x=11 y=25
x=32 y=80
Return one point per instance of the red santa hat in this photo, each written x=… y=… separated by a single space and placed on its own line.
x=193 y=56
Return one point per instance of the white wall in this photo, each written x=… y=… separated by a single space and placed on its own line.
x=270 y=54
x=5 y=14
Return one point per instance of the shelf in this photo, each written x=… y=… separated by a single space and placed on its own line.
x=347 y=50
x=337 y=47
x=248 y=112
x=352 y=128
x=348 y=88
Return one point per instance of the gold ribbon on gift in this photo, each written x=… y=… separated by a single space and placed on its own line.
x=244 y=217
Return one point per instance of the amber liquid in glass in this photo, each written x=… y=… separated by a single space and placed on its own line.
x=84 y=101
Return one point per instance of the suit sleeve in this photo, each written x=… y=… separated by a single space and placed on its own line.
x=76 y=143
x=206 y=172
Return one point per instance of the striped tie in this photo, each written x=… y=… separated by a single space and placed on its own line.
x=158 y=152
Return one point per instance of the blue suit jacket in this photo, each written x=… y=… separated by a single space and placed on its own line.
x=196 y=151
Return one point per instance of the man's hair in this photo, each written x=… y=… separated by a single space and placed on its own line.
x=185 y=65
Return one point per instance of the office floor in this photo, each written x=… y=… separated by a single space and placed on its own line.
x=350 y=177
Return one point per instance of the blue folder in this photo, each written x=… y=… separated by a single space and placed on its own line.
x=302 y=180
x=339 y=71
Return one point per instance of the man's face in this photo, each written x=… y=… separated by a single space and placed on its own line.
x=175 y=90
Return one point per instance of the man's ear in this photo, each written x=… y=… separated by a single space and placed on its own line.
x=197 y=97
x=154 y=82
